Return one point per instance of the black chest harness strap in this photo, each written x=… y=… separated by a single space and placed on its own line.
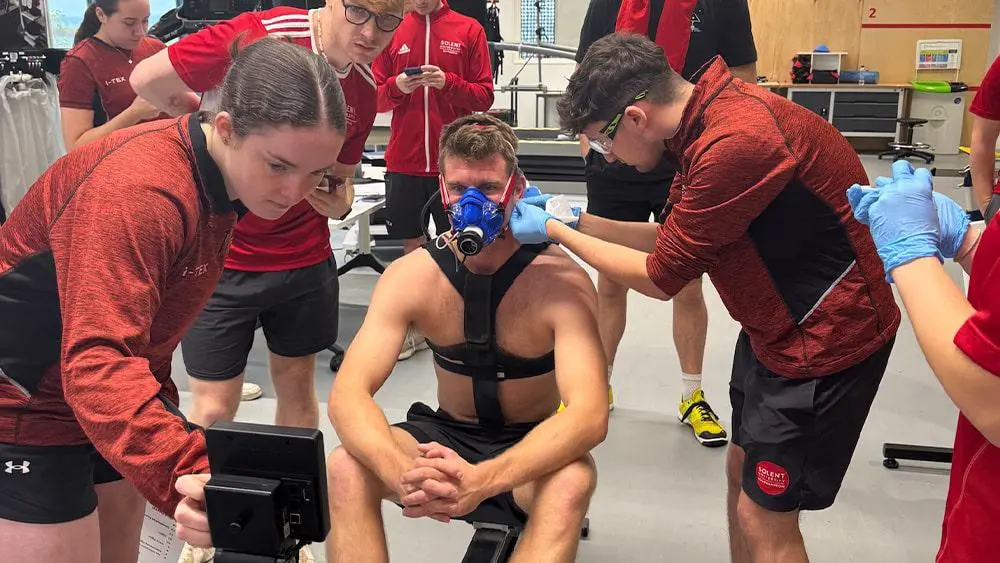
x=482 y=295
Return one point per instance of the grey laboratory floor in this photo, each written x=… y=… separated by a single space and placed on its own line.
x=661 y=495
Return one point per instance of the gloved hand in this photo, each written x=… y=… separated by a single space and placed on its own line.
x=534 y=196
x=953 y=221
x=527 y=223
x=901 y=215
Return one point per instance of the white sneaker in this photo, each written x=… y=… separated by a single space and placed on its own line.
x=413 y=343
x=250 y=392
x=191 y=554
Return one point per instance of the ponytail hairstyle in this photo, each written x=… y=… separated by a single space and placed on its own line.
x=91 y=24
x=274 y=83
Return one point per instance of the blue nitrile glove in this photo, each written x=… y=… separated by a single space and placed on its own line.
x=953 y=221
x=534 y=196
x=902 y=218
x=527 y=223
x=953 y=224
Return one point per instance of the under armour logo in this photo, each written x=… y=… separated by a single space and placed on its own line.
x=22 y=467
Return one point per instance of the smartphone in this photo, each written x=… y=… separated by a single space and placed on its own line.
x=329 y=183
x=412 y=70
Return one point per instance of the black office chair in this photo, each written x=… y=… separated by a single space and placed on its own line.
x=907 y=149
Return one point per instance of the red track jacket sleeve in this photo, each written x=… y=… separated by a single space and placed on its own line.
x=389 y=95
x=728 y=184
x=475 y=94
x=110 y=273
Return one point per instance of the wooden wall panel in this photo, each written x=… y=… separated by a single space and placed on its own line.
x=784 y=27
x=893 y=53
x=927 y=11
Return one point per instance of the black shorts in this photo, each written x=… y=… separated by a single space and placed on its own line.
x=627 y=201
x=405 y=197
x=298 y=310
x=470 y=442
x=51 y=484
x=799 y=435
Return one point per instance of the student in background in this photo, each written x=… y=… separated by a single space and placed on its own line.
x=985 y=110
x=95 y=96
x=435 y=70
x=619 y=192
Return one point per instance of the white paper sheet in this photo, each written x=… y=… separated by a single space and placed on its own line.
x=158 y=542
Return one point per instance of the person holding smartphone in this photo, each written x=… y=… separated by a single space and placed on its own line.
x=435 y=70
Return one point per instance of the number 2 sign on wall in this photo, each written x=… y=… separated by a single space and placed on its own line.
x=871 y=13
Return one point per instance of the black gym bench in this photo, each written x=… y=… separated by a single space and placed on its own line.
x=494 y=542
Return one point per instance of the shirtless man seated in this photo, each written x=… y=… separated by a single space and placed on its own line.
x=493 y=451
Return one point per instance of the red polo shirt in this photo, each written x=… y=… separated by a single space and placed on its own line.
x=972 y=511
x=986 y=104
x=94 y=75
x=301 y=237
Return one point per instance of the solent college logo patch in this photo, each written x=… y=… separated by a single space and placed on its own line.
x=451 y=47
x=772 y=478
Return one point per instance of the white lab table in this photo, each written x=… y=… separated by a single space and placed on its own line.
x=368 y=198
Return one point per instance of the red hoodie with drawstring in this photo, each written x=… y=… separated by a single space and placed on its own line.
x=457 y=45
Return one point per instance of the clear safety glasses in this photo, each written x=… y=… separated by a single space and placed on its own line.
x=605 y=137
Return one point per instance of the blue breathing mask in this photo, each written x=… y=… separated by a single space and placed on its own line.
x=476 y=221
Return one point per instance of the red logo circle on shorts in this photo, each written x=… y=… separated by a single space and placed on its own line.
x=771 y=478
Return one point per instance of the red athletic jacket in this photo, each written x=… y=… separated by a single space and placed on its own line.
x=760 y=204
x=104 y=265
x=457 y=45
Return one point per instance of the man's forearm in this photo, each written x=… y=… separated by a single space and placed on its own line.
x=122 y=120
x=967 y=252
x=640 y=236
x=624 y=265
x=983 y=158
x=364 y=432
x=938 y=309
x=179 y=104
x=982 y=165
x=552 y=445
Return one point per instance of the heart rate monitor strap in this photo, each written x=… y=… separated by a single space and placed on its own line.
x=479 y=336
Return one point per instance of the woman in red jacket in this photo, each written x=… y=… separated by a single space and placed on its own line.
x=103 y=267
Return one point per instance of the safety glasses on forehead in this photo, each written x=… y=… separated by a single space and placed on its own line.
x=359 y=15
x=604 y=139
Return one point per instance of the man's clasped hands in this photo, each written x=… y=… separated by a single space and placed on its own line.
x=441 y=485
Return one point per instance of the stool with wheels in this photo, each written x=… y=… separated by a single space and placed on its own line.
x=907 y=149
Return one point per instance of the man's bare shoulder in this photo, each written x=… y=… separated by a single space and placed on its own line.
x=405 y=275
x=557 y=274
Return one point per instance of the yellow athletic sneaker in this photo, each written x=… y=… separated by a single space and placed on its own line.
x=696 y=413
x=611 y=401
